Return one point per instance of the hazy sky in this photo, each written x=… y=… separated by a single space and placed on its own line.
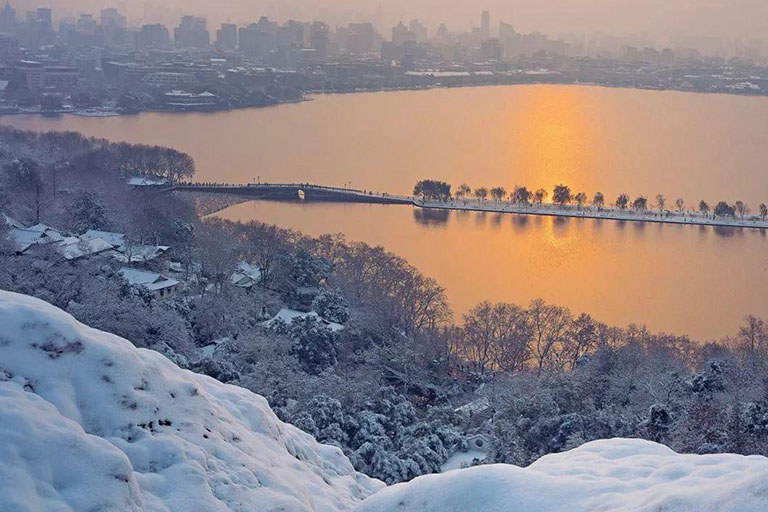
x=721 y=18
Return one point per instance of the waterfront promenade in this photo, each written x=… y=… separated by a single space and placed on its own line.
x=313 y=192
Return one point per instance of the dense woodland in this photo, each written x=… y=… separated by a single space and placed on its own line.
x=404 y=382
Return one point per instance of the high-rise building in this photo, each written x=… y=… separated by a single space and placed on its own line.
x=259 y=39
x=112 y=19
x=318 y=38
x=401 y=35
x=293 y=34
x=44 y=16
x=86 y=25
x=226 y=36
x=153 y=36
x=492 y=49
x=361 y=38
x=420 y=30
x=442 y=33
x=114 y=27
x=192 y=33
x=485 y=25
x=7 y=19
x=9 y=47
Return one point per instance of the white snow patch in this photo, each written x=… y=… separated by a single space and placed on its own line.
x=89 y=422
x=627 y=475
x=462 y=459
x=289 y=315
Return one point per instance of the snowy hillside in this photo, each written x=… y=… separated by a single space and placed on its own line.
x=89 y=422
x=625 y=475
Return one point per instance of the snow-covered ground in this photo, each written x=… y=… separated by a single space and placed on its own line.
x=89 y=422
x=627 y=475
x=462 y=459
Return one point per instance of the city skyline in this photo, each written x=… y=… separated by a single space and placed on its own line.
x=742 y=19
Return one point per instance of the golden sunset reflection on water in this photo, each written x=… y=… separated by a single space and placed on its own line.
x=681 y=279
x=553 y=136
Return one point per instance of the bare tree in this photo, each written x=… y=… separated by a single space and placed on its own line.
x=262 y=245
x=550 y=325
x=481 y=193
x=741 y=208
x=581 y=199
x=463 y=191
x=24 y=178
x=562 y=195
x=521 y=195
x=583 y=337
x=177 y=165
x=660 y=202
x=496 y=336
x=753 y=335
x=622 y=201
x=478 y=337
x=498 y=193
x=216 y=252
x=540 y=195
x=679 y=203
x=763 y=211
x=598 y=201
x=703 y=207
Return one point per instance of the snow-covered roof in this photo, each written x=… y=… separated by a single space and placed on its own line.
x=114 y=239
x=246 y=275
x=11 y=223
x=477 y=405
x=289 y=315
x=42 y=228
x=23 y=239
x=90 y=422
x=140 y=253
x=35 y=235
x=146 y=181
x=149 y=280
x=72 y=248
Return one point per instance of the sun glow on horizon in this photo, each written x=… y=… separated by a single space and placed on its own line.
x=552 y=125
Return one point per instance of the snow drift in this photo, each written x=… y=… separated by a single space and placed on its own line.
x=627 y=475
x=89 y=422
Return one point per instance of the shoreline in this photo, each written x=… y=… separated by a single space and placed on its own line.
x=310 y=93
x=291 y=193
x=550 y=210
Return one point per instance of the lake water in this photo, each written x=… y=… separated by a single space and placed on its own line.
x=681 y=279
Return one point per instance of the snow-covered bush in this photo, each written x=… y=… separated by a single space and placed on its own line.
x=316 y=345
x=382 y=435
x=330 y=305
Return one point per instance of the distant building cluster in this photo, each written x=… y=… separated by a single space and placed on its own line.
x=100 y=63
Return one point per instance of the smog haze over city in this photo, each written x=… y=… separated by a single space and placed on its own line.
x=745 y=19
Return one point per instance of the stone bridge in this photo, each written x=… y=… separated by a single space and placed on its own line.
x=293 y=192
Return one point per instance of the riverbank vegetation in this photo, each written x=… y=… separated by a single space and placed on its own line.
x=350 y=342
x=564 y=197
